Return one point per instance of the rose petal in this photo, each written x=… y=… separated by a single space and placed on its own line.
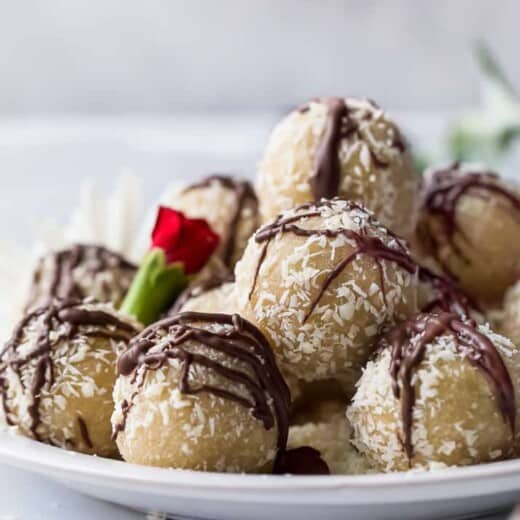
x=167 y=229
x=185 y=240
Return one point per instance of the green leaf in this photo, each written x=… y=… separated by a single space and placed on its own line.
x=489 y=132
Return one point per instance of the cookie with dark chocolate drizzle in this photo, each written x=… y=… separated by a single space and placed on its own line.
x=446 y=296
x=243 y=193
x=34 y=369
x=93 y=259
x=408 y=343
x=339 y=125
x=267 y=396
x=365 y=244
x=441 y=197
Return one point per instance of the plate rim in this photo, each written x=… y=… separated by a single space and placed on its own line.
x=23 y=452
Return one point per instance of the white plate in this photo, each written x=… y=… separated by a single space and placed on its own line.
x=457 y=492
x=40 y=155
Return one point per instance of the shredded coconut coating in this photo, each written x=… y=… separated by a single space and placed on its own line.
x=203 y=432
x=331 y=437
x=456 y=420
x=510 y=316
x=84 y=376
x=217 y=204
x=338 y=335
x=484 y=251
x=104 y=285
x=288 y=163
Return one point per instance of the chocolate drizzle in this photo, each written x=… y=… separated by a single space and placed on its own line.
x=238 y=340
x=83 y=429
x=301 y=461
x=447 y=297
x=327 y=168
x=408 y=343
x=340 y=124
x=93 y=258
x=442 y=194
x=365 y=245
x=244 y=194
x=197 y=289
x=58 y=322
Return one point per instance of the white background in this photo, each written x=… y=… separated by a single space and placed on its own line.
x=170 y=55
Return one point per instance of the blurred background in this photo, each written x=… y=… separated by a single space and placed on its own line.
x=174 y=89
x=120 y=56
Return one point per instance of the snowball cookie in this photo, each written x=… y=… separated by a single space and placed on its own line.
x=440 y=391
x=509 y=324
x=215 y=294
x=470 y=222
x=329 y=432
x=202 y=392
x=79 y=272
x=438 y=293
x=230 y=207
x=57 y=375
x=320 y=282
x=339 y=147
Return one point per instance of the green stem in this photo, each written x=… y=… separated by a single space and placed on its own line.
x=154 y=289
x=491 y=68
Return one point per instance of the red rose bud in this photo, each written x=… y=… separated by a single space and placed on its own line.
x=188 y=241
x=180 y=247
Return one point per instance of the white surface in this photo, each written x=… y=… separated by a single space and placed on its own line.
x=426 y=495
x=27 y=496
x=120 y=55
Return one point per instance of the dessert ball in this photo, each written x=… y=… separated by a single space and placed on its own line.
x=509 y=323
x=230 y=207
x=201 y=391
x=328 y=431
x=81 y=271
x=440 y=391
x=320 y=282
x=438 y=293
x=57 y=375
x=211 y=295
x=339 y=147
x=469 y=222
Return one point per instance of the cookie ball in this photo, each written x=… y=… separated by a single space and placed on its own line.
x=469 y=222
x=509 y=322
x=438 y=293
x=79 y=272
x=230 y=207
x=320 y=282
x=341 y=147
x=211 y=295
x=440 y=391
x=326 y=429
x=57 y=375
x=201 y=391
